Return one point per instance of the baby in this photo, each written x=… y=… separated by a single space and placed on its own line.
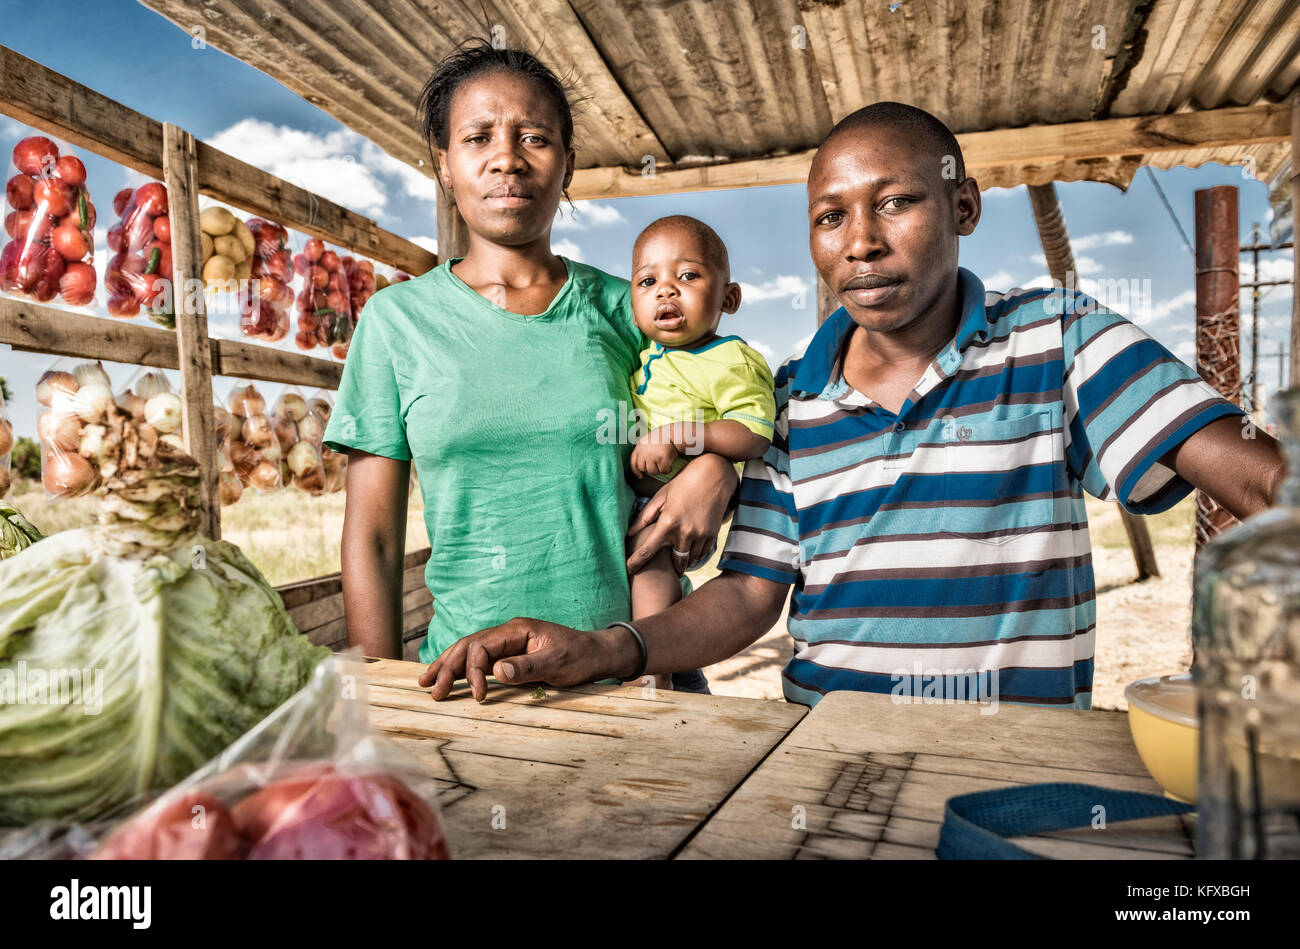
x=695 y=391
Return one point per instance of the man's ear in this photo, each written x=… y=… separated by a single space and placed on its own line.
x=967 y=207
x=731 y=298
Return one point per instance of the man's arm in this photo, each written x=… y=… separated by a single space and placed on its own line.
x=374 y=544
x=715 y=622
x=1242 y=474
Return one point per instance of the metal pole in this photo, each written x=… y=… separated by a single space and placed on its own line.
x=1055 y=238
x=1218 y=320
x=1295 y=219
x=1254 y=319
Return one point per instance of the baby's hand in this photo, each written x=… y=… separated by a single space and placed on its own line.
x=649 y=458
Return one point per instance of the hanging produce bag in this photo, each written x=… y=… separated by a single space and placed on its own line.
x=139 y=273
x=323 y=304
x=254 y=449
x=6 y=448
x=299 y=430
x=49 y=253
x=264 y=303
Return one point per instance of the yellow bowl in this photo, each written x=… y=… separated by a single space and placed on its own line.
x=1162 y=717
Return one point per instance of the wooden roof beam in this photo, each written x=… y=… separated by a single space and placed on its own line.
x=1035 y=145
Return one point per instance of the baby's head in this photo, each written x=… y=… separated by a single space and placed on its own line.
x=681 y=281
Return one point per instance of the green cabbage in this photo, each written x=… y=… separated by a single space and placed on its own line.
x=163 y=658
x=16 y=532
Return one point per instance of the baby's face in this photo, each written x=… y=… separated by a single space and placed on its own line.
x=677 y=294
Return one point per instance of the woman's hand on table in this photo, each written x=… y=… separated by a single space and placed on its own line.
x=529 y=650
x=686 y=513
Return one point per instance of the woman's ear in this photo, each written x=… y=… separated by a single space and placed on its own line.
x=444 y=177
x=568 y=169
x=731 y=298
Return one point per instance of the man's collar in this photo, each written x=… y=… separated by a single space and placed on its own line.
x=813 y=376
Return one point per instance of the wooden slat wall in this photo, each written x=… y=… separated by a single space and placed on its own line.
x=316 y=606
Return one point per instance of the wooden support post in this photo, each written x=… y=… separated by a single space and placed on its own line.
x=1055 y=239
x=453 y=233
x=1218 y=321
x=194 y=350
x=826 y=302
x=1295 y=240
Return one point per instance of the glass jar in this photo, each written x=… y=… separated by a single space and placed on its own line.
x=1246 y=630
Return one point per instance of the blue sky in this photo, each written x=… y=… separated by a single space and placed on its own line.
x=136 y=57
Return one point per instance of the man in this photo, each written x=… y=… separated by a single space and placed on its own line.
x=924 y=489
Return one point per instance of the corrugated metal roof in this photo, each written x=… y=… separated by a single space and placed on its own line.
x=705 y=81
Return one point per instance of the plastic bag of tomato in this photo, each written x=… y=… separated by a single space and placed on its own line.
x=49 y=223
x=311 y=781
x=264 y=303
x=324 y=303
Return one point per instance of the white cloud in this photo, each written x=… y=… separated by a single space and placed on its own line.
x=765 y=350
x=801 y=344
x=567 y=248
x=1103 y=239
x=1276 y=267
x=428 y=243
x=999 y=192
x=414 y=181
x=1186 y=351
x=780 y=287
x=1083 y=266
x=587 y=214
x=1167 y=307
x=326 y=164
x=1000 y=280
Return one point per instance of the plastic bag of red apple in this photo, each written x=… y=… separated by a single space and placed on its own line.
x=6 y=447
x=265 y=302
x=139 y=274
x=89 y=436
x=299 y=429
x=314 y=780
x=254 y=449
x=48 y=253
x=323 y=304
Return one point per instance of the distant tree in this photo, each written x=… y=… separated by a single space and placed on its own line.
x=26 y=458
x=5 y=392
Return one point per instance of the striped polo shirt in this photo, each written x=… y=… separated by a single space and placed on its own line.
x=946 y=547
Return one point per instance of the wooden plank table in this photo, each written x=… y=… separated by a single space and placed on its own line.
x=863 y=777
x=588 y=771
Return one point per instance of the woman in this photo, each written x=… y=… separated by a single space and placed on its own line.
x=497 y=374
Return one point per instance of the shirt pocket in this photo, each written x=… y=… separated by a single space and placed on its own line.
x=1001 y=476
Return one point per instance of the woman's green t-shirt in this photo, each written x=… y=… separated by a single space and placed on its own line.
x=512 y=423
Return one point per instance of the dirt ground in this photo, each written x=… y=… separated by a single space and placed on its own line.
x=1143 y=629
